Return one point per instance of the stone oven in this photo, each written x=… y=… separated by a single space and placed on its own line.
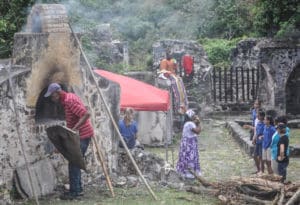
x=278 y=64
x=47 y=52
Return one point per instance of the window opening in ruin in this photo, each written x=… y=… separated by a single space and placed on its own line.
x=234 y=85
x=293 y=92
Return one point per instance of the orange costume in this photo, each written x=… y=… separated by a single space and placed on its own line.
x=168 y=65
x=168 y=68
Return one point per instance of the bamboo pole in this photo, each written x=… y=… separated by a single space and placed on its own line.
x=110 y=115
x=19 y=134
x=101 y=158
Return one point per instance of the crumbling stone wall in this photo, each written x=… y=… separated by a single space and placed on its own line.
x=34 y=54
x=36 y=142
x=103 y=49
x=275 y=60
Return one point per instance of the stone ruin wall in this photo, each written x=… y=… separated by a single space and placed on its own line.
x=275 y=61
x=103 y=49
x=34 y=60
x=48 y=18
x=201 y=91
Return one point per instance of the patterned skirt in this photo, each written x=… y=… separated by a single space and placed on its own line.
x=188 y=157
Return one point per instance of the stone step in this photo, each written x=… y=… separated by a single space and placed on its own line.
x=243 y=138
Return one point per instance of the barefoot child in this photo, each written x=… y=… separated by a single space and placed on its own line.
x=257 y=141
x=254 y=114
x=267 y=139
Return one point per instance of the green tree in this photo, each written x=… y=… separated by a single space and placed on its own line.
x=12 y=17
x=219 y=50
x=274 y=17
x=229 y=19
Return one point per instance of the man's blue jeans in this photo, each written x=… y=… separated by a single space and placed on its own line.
x=75 y=172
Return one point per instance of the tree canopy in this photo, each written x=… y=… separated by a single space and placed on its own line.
x=142 y=22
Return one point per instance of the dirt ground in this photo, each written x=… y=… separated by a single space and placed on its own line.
x=220 y=159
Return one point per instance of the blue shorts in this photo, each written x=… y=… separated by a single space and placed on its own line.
x=258 y=150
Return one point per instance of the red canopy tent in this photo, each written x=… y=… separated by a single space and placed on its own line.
x=138 y=95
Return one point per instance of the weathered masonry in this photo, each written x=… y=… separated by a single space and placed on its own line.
x=48 y=53
x=263 y=69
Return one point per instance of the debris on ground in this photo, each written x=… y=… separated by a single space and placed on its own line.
x=265 y=189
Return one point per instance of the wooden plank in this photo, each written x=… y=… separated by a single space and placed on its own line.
x=248 y=85
x=225 y=84
x=220 y=84
x=237 y=84
x=231 y=84
x=214 y=85
x=253 y=83
x=243 y=84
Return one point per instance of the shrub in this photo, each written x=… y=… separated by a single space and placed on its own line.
x=218 y=50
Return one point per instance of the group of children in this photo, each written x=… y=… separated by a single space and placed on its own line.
x=271 y=139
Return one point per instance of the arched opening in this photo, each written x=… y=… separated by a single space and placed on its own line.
x=46 y=110
x=293 y=92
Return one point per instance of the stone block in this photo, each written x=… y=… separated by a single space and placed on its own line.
x=43 y=178
x=152 y=128
x=241 y=136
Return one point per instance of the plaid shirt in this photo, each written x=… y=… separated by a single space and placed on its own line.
x=74 y=110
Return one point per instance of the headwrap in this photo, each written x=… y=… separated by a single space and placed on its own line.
x=190 y=113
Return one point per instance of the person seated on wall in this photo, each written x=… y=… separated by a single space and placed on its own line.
x=128 y=129
x=168 y=67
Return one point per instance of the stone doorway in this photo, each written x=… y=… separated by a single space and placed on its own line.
x=293 y=92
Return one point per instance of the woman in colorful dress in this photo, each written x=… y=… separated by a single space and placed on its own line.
x=188 y=153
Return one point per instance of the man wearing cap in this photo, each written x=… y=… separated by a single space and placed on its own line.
x=77 y=119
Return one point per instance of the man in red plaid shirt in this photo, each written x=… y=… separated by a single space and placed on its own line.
x=77 y=119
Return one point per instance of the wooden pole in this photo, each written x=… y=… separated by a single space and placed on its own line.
x=111 y=117
x=19 y=134
x=214 y=85
x=294 y=198
x=225 y=84
x=101 y=158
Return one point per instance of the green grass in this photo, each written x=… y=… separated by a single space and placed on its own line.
x=295 y=137
x=134 y=196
